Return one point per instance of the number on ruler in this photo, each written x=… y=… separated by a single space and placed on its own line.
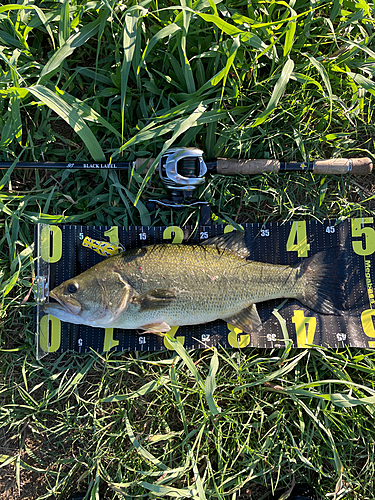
x=51 y=253
x=112 y=234
x=50 y=333
x=236 y=337
x=341 y=337
x=175 y=231
x=367 y=320
x=297 y=240
x=305 y=328
x=172 y=332
x=359 y=230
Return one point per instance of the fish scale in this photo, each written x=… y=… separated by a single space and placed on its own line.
x=222 y=281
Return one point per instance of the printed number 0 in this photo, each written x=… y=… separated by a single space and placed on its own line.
x=47 y=253
x=50 y=333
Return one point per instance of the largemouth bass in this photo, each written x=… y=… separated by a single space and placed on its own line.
x=159 y=286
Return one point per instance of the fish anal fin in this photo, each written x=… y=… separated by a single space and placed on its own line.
x=247 y=320
x=156 y=328
x=154 y=299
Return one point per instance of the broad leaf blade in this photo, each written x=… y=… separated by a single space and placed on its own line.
x=67 y=113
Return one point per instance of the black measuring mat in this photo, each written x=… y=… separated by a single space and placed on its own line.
x=66 y=251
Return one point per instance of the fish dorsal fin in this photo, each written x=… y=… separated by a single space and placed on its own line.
x=154 y=299
x=248 y=319
x=230 y=242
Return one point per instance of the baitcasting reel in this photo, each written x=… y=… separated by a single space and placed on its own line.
x=182 y=170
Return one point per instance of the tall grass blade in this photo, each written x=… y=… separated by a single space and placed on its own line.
x=152 y=386
x=16 y=119
x=87 y=112
x=275 y=375
x=73 y=42
x=188 y=73
x=197 y=478
x=210 y=384
x=128 y=44
x=67 y=113
x=277 y=92
x=64 y=25
x=6 y=177
x=160 y=35
x=141 y=450
x=177 y=395
x=229 y=63
x=181 y=126
x=181 y=351
x=289 y=35
x=323 y=73
x=364 y=82
x=169 y=491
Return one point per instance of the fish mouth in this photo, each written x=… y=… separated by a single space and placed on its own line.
x=70 y=305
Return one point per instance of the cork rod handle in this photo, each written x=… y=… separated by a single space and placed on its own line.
x=356 y=166
x=246 y=167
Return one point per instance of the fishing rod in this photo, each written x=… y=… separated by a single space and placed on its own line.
x=183 y=158
x=183 y=170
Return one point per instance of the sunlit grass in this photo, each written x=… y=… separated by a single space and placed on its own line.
x=92 y=80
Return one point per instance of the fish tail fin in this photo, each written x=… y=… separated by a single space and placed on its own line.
x=324 y=275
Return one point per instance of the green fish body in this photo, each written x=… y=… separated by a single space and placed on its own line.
x=159 y=286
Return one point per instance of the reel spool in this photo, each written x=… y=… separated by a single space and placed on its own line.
x=182 y=171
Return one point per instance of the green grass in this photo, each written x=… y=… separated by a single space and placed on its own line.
x=92 y=80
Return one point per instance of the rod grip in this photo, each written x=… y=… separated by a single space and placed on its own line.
x=359 y=166
x=246 y=167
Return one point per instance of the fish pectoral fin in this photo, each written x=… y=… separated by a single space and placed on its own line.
x=154 y=299
x=248 y=319
x=156 y=328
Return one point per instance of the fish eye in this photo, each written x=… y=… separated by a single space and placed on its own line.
x=72 y=288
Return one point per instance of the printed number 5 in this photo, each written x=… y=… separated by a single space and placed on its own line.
x=359 y=229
